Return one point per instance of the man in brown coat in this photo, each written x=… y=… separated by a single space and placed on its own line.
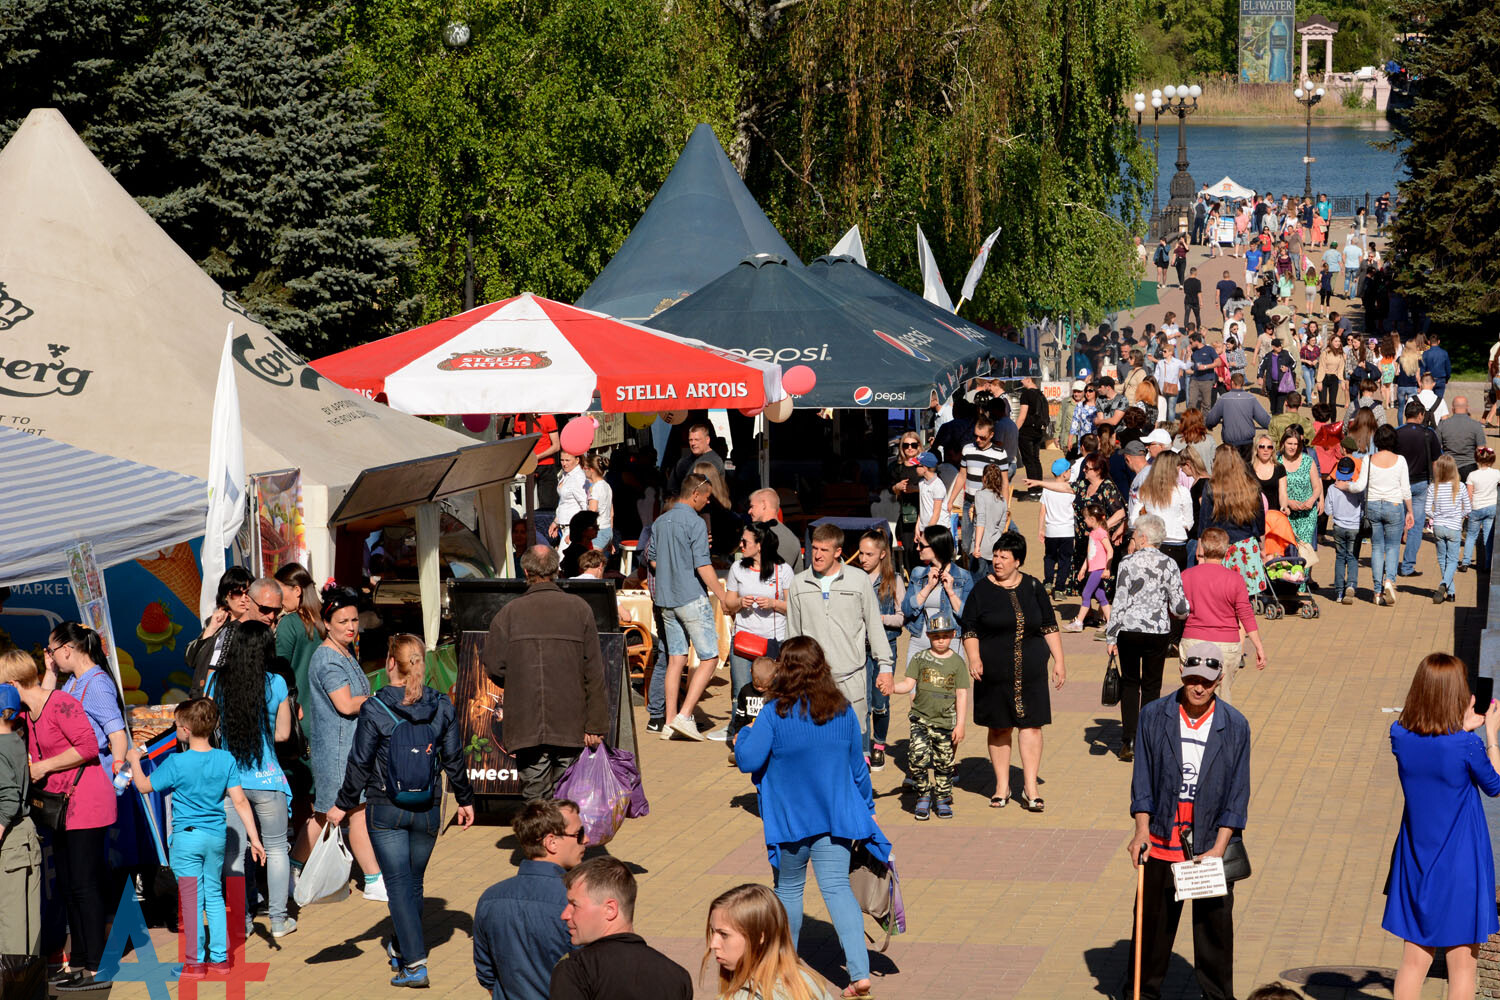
x=543 y=654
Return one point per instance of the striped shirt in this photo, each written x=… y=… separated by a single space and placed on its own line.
x=1447 y=503
x=976 y=460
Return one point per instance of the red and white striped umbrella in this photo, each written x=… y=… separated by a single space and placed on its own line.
x=533 y=355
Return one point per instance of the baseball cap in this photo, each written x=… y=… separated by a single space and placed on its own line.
x=1345 y=470
x=927 y=459
x=1201 y=660
x=10 y=702
x=1060 y=466
x=939 y=623
x=1078 y=386
x=1160 y=437
x=1134 y=448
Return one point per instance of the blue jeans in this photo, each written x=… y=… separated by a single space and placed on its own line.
x=1403 y=393
x=1351 y=276
x=199 y=854
x=690 y=628
x=830 y=861
x=880 y=704
x=1414 y=533
x=1447 y=552
x=1345 y=559
x=1309 y=383
x=1482 y=530
x=403 y=841
x=1386 y=519
x=271 y=818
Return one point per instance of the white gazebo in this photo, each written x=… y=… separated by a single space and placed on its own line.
x=1318 y=28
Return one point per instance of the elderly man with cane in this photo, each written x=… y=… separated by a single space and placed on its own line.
x=1190 y=792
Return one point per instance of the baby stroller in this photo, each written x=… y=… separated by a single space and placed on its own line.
x=1287 y=573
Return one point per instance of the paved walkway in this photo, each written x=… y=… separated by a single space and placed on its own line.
x=1002 y=903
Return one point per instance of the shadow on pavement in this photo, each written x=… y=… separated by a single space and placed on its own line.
x=1109 y=967
x=819 y=946
x=1104 y=736
x=438 y=923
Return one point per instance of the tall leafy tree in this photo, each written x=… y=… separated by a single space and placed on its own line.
x=1447 y=229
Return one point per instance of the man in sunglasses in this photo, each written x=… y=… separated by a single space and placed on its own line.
x=1189 y=793
x=519 y=934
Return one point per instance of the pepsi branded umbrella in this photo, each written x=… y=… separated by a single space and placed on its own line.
x=864 y=353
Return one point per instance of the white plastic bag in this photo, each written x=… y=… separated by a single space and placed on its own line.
x=325 y=877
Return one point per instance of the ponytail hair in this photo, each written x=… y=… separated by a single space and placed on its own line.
x=410 y=653
x=84 y=638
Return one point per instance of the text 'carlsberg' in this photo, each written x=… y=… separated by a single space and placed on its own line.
x=694 y=390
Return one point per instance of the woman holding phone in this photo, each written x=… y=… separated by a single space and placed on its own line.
x=938 y=586
x=1441 y=890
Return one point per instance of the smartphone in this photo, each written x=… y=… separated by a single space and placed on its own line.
x=1484 y=691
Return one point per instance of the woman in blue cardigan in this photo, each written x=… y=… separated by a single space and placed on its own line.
x=938 y=586
x=806 y=755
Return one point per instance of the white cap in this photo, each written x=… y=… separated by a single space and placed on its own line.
x=1160 y=437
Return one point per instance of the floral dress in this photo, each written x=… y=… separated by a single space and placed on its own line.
x=1106 y=496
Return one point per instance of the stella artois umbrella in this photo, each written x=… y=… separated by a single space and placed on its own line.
x=532 y=355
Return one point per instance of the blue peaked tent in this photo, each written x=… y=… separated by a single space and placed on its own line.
x=701 y=224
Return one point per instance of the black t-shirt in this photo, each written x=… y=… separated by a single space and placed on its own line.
x=1192 y=288
x=1268 y=487
x=1036 y=412
x=619 y=967
x=1419 y=445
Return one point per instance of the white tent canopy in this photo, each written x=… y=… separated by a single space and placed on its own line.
x=56 y=496
x=1227 y=188
x=110 y=338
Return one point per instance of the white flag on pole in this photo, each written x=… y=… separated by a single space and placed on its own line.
x=932 y=282
x=226 y=478
x=851 y=244
x=977 y=268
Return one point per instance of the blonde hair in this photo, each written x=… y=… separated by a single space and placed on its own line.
x=1445 y=470
x=770 y=966
x=410 y=654
x=18 y=668
x=715 y=482
x=1161 y=480
x=1411 y=357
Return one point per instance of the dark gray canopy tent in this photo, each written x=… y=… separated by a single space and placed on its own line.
x=701 y=223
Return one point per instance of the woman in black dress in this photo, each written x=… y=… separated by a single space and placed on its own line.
x=1010 y=632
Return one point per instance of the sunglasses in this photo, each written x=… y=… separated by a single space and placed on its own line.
x=577 y=835
x=1201 y=661
x=238 y=592
x=270 y=612
x=1265 y=447
x=909 y=446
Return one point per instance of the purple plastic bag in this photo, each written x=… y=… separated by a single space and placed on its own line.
x=606 y=784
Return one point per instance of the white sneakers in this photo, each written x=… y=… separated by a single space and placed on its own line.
x=684 y=726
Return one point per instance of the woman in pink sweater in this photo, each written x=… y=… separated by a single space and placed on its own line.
x=1219 y=605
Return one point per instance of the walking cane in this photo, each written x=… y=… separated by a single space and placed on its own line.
x=1140 y=897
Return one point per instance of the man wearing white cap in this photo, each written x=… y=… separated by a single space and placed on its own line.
x=1190 y=795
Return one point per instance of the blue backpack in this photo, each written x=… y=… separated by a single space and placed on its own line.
x=410 y=761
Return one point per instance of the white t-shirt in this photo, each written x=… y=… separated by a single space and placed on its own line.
x=1427 y=397
x=1057 y=513
x=1485 y=482
x=1170 y=370
x=930 y=496
x=747 y=583
x=572 y=497
x=605 y=494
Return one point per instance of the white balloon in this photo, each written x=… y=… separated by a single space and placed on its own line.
x=780 y=410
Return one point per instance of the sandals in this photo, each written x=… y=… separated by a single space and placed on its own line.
x=853 y=991
x=1035 y=805
x=999 y=802
x=944 y=809
x=924 y=807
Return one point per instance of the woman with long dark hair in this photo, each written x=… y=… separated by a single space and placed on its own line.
x=755 y=596
x=938 y=586
x=1441 y=889
x=750 y=941
x=404 y=825
x=74 y=650
x=255 y=713
x=1233 y=501
x=231 y=603
x=806 y=754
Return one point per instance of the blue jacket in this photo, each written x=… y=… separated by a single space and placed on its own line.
x=813 y=778
x=916 y=618
x=1435 y=363
x=1223 y=797
x=519 y=934
x=366 y=770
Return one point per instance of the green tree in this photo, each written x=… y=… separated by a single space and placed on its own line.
x=544 y=135
x=1447 y=228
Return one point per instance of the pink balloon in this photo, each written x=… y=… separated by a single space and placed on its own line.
x=799 y=380
x=751 y=411
x=476 y=422
x=578 y=435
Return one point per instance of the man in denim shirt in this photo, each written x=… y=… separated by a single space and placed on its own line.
x=1189 y=794
x=519 y=934
x=684 y=577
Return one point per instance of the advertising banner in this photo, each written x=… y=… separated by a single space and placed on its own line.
x=1267 y=31
x=278 y=533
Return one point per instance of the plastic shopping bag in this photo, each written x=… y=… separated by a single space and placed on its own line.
x=600 y=782
x=325 y=877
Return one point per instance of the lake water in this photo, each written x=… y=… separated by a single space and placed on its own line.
x=1269 y=157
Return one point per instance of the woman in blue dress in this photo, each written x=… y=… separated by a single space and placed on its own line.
x=1441 y=890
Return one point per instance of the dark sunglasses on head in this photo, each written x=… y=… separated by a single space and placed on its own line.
x=1201 y=661
x=238 y=592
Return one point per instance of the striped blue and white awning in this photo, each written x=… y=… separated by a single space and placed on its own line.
x=53 y=495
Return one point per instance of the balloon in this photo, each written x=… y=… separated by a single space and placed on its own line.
x=780 y=410
x=751 y=411
x=674 y=417
x=799 y=380
x=640 y=421
x=476 y=422
x=578 y=436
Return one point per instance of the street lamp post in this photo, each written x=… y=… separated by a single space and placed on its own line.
x=1307 y=97
x=1176 y=103
x=456 y=35
x=1156 y=159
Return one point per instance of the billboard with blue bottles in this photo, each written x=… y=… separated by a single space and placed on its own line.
x=1267 y=31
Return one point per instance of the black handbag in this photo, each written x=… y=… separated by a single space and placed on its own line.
x=50 y=809
x=1109 y=695
x=1236 y=861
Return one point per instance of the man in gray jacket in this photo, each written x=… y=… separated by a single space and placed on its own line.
x=836 y=606
x=1461 y=435
x=1240 y=413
